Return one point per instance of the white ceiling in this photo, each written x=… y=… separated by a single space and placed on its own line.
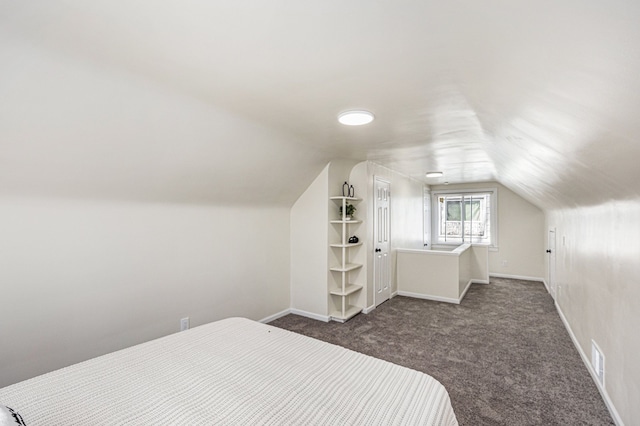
x=542 y=96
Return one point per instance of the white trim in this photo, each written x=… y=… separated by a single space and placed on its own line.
x=465 y=291
x=274 y=317
x=395 y=293
x=428 y=297
x=516 y=277
x=433 y=252
x=546 y=285
x=440 y=298
x=587 y=363
x=324 y=318
x=369 y=309
x=266 y=320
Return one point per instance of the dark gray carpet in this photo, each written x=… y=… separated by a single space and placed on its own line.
x=503 y=353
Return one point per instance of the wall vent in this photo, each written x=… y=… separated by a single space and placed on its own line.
x=597 y=362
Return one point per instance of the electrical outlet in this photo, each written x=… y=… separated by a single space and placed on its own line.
x=597 y=361
x=184 y=324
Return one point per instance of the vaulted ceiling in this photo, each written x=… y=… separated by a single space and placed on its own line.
x=196 y=101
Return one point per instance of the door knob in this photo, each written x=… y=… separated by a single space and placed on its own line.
x=548 y=251
x=378 y=250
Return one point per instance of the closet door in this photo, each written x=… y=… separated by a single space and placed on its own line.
x=381 y=242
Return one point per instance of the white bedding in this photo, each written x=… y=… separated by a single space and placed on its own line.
x=232 y=372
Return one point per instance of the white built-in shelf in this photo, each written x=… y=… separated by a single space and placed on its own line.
x=341 y=290
x=346 y=268
x=351 y=311
x=359 y=243
x=350 y=288
x=345 y=198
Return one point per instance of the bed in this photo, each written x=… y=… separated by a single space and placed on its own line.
x=232 y=372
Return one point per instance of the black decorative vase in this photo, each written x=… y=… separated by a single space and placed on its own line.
x=345 y=189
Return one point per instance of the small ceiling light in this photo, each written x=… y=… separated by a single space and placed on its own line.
x=434 y=174
x=355 y=118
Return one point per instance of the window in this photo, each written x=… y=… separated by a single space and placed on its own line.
x=465 y=217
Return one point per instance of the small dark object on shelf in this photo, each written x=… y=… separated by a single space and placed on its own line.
x=352 y=191
x=353 y=240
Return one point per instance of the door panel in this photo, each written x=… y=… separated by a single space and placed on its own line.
x=552 y=263
x=427 y=219
x=382 y=243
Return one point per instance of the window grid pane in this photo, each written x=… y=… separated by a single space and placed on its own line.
x=464 y=218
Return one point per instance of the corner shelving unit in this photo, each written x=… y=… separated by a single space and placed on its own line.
x=345 y=289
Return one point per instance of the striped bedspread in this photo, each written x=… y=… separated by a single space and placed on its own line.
x=232 y=372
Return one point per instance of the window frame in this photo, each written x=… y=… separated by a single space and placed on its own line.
x=493 y=220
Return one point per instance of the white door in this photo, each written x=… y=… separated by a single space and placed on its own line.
x=552 y=262
x=382 y=244
x=427 y=219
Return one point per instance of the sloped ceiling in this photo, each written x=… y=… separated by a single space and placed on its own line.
x=196 y=101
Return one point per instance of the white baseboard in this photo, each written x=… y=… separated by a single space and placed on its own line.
x=546 y=286
x=324 y=318
x=369 y=309
x=516 y=277
x=311 y=315
x=587 y=363
x=440 y=298
x=275 y=316
x=394 y=294
x=465 y=291
x=429 y=297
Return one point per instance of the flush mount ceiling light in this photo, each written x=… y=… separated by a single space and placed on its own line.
x=434 y=174
x=355 y=118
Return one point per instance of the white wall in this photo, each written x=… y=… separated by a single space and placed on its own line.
x=598 y=274
x=127 y=204
x=433 y=275
x=521 y=235
x=480 y=263
x=309 y=222
x=80 y=278
x=69 y=128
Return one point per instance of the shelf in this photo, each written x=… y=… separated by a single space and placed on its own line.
x=350 y=312
x=349 y=289
x=345 y=198
x=347 y=267
x=359 y=243
x=340 y=289
x=346 y=221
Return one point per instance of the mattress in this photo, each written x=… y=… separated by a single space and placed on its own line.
x=232 y=372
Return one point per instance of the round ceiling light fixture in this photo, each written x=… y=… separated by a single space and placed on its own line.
x=434 y=174
x=356 y=117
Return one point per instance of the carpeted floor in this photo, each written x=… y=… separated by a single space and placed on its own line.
x=503 y=353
